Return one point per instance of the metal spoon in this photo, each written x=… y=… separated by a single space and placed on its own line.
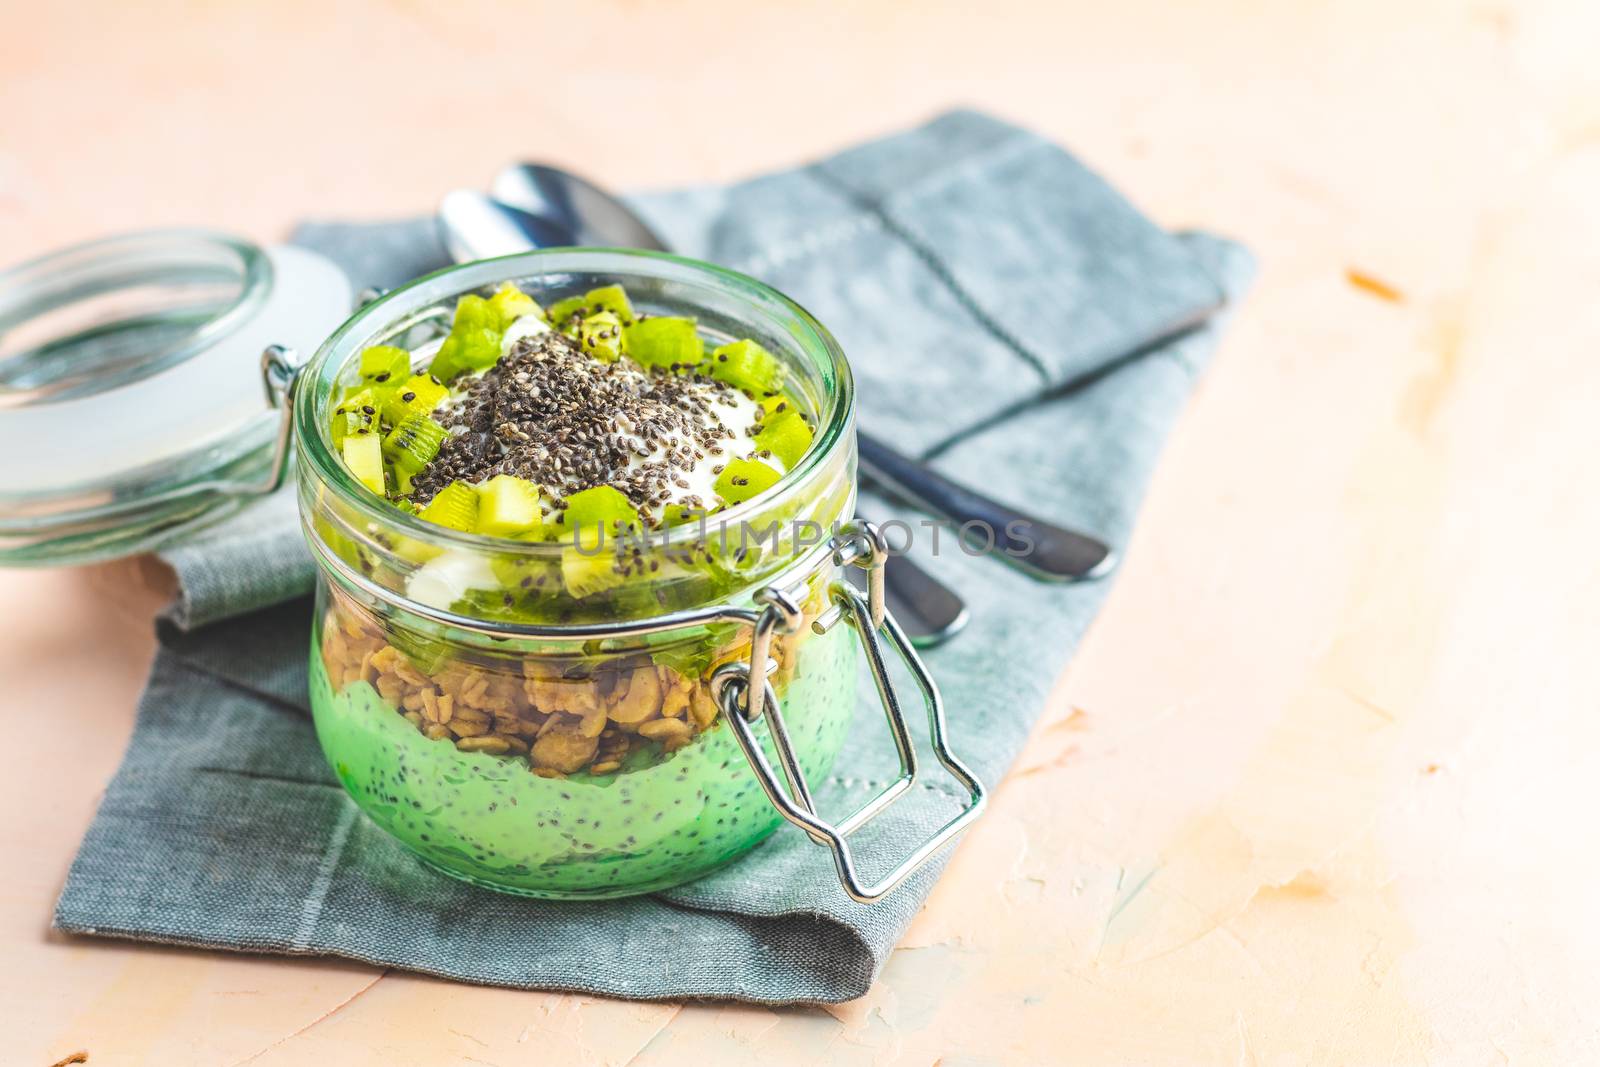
x=476 y=227
x=586 y=212
x=1044 y=550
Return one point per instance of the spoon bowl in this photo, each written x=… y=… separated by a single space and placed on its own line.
x=586 y=213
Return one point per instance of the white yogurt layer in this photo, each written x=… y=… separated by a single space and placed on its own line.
x=447 y=578
x=524 y=326
x=732 y=409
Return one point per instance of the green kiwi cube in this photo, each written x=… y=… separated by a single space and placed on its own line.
x=600 y=508
x=454 y=506
x=415 y=550
x=563 y=311
x=681 y=515
x=742 y=479
x=586 y=572
x=523 y=574
x=511 y=304
x=786 y=436
x=417 y=395
x=474 y=341
x=384 y=363
x=412 y=444
x=363 y=454
x=612 y=298
x=671 y=343
x=508 y=506
x=746 y=365
x=354 y=413
x=601 y=336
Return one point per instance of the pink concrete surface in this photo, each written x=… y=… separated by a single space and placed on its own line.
x=1319 y=789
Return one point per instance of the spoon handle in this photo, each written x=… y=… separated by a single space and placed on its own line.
x=1038 y=548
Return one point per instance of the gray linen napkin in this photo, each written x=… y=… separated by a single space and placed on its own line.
x=981 y=281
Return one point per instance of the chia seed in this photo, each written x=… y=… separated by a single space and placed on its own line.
x=550 y=413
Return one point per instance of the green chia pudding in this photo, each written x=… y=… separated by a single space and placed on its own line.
x=567 y=436
x=659 y=820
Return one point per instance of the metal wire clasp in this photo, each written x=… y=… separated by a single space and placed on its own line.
x=280 y=372
x=858 y=544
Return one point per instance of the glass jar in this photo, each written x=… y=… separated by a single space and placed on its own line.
x=532 y=741
x=133 y=362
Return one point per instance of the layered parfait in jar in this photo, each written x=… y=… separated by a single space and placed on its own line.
x=504 y=508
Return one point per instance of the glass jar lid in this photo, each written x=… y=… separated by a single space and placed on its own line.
x=131 y=400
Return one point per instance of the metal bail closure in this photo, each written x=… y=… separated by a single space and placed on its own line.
x=280 y=372
x=860 y=544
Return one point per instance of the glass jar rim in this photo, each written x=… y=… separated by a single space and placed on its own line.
x=65 y=277
x=401 y=305
x=134 y=362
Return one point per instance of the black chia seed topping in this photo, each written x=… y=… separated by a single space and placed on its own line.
x=560 y=418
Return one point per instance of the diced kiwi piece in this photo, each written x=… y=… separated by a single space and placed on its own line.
x=585 y=573
x=746 y=365
x=410 y=548
x=612 y=298
x=664 y=342
x=363 y=454
x=525 y=575
x=417 y=395
x=563 y=310
x=412 y=444
x=384 y=363
x=455 y=506
x=637 y=600
x=679 y=515
x=414 y=549
x=474 y=341
x=778 y=403
x=511 y=303
x=603 y=507
x=507 y=506
x=742 y=479
x=334 y=534
x=786 y=436
x=601 y=336
x=356 y=412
